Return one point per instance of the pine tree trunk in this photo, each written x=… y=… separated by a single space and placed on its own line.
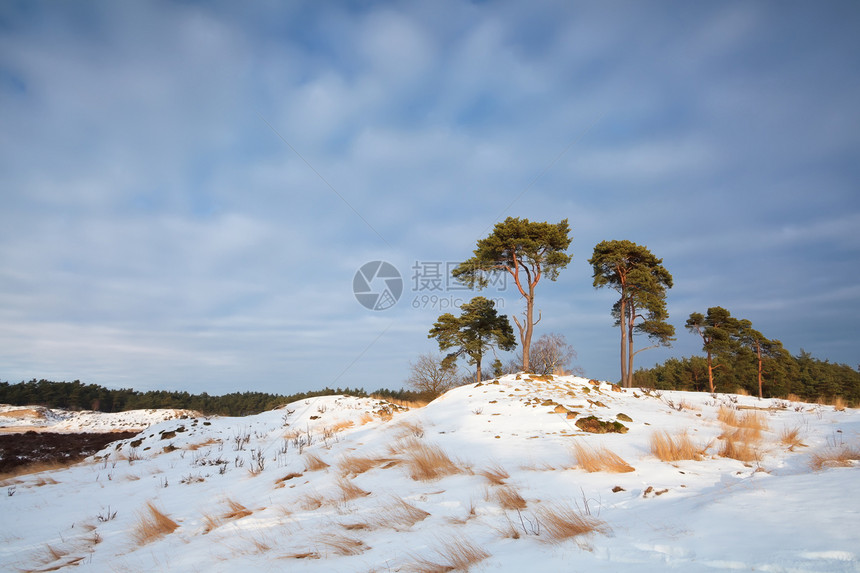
x=623 y=320
x=758 y=352
x=478 y=371
x=629 y=383
x=529 y=326
x=710 y=373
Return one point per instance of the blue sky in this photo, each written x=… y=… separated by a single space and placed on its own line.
x=187 y=189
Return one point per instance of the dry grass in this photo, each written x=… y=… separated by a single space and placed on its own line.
x=455 y=555
x=152 y=524
x=280 y=482
x=839 y=404
x=400 y=514
x=791 y=438
x=427 y=462
x=356 y=465
x=30 y=469
x=311 y=502
x=236 y=510
x=342 y=545
x=314 y=463
x=209 y=442
x=843 y=456
x=728 y=416
x=737 y=450
x=597 y=460
x=349 y=491
x=405 y=403
x=669 y=449
x=406 y=429
x=365 y=418
x=496 y=475
x=509 y=498
x=561 y=523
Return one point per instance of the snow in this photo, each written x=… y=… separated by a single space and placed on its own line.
x=56 y=420
x=771 y=514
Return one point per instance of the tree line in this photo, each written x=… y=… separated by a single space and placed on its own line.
x=79 y=396
x=736 y=354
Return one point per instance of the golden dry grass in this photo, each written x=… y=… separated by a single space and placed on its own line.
x=400 y=514
x=597 y=460
x=314 y=463
x=209 y=442
x=311 y=502
x=727 y=416
x=737 y=450
x=349 y=491
x=342 y=544
x=843 y=456
x=562 y=522
x=672 y=449
x=509 y=498
x=495 y=474
x=30 y=469
x=411 y=404
x=455 y=555
x=152 y=524
x=356 y=465
x=365 y=418
x=839 y=404
x=235 y=510
x=427 y=462
x=791 y=437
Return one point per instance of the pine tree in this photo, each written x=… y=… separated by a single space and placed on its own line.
x=718 y=331
x=527 y=251
x=641 y=281
x=478 y=328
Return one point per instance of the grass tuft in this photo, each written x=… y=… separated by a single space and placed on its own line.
x=496 y=475
x=737 y=450
x=561 y=523
x=455 y=555
x=843 y=456
x=152 y=524
x=669 y=449
x=602 y=459
x=427 y=462
x=791 y=438
x=356 y=465
x=509 y=498
x=401 y=515
x=342 y=544
x=349 y=491
x=314 y=463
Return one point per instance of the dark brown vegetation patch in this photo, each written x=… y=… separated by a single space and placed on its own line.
x=596 y=426
x=17 y=450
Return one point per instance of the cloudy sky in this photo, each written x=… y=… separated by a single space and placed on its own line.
x=187 y=189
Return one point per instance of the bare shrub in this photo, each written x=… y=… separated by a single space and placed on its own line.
x=428 y=462
x=602 y=459
x=562 y=522
x=314 y=463
x=430 y=374
x=842 y=456
x=669 y=449
x=152 y=524
x=455 y=555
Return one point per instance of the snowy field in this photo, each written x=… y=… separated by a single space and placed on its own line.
x=39 y=418
x=494 y=477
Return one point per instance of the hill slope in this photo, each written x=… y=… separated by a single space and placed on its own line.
x=499 y=476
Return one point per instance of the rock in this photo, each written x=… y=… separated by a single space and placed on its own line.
x=624 y=417
x=595 y=426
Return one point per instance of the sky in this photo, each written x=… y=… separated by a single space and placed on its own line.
x=188 y=189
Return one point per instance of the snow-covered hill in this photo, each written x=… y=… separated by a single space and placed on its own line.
x=491 y=477
x=57 y=420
